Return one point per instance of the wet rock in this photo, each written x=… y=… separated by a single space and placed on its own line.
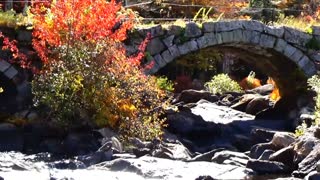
x=206 y=156
x=67 y=164
x=267 y=167
x=52 y=146
x=285 y=156
x=257 y=150
x=80 y=144
x=309 y=163
x=96 y=157
x=141 y=152
x=231 y=158
x=260 y=135
x=266 y=154
x=257 y=105
x=193 y=96
x=11 y=138
x=262 y=90
x=201 y=178
x=282 y=139
x=314 y=175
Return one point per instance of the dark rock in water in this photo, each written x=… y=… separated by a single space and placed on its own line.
x=141 y=152
x=260 y=135
x=262 y=90
x=230 y=158
x=314 y=175
x=241 y=142
x=266 y=154
x=11 y=138
x=67 y=164
x=257 y=150
x=1 y=178
x=316 y=133
x=204 y=178
x=80 y=144
x=96 y=157
x=193 y=96
x=285 y=156
x=267 y=167
x=257 y=105
x=309 y=163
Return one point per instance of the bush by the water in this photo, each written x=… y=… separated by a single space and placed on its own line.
x=222 y=83
x=86 y=76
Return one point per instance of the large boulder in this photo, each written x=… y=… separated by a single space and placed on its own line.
x=230 y=158
x=193 y=96
x=309 y=163
x=282 y=139
x=267 y=167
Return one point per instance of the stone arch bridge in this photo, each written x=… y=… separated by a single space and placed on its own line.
x=288 y=55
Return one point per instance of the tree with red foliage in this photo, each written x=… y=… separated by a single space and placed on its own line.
x=86 y=74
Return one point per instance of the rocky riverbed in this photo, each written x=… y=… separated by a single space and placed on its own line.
x=207 y=137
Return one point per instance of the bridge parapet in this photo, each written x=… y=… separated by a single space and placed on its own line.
x=171 y=41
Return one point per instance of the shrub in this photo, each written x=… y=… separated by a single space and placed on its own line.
x=222 y=83
x=165 y=84
x=85 y=74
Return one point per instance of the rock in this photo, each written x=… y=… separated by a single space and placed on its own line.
x=305 y=145
x=262 y=90
x=316 y=133
x=193 y=96
x=171 y=151
x=267 y=167
x=141 y=152
x=192 y=30
x=201 y=178
x=318 y=166
x=67 y=164
x=261 y=135
x=285 y=156
x=266 y=154
x=206 y=156
x=244 y=101
x=241 y=142
x=52 y=146
x=314 y=175
x=80 y=144
x=155 y=46
x=107 y=133
x=309 y=163
x=257 y=105
x=282 y=139
x=96 y=157
x=230 y=157
x=257 y=150
x=140 y=144
x=11 y=138
x=123 y=156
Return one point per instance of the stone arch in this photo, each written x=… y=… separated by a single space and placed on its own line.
x=288 y=44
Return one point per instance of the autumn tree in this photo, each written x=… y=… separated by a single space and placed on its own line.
x=86 y=75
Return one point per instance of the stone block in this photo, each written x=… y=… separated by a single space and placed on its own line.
x=316 y=30
x=296 y=56
x=174 y=30
x=208 y=39
x=267 y=41
x=280 y=45
x=274 y=31
x=303 y=62
x=188 y=47
x=4 y=65
x=192 y=30
x=11 y=72
x=255 y=37
x=155 y=46
x=167 y=57
x=219 y=38
x=168 y=41
x=174 y=51
x=227 y=37
x=160 y=61
x=154 y=31
x=238 y=35
x=289 y=50
x=208 y=27
x=154 y=67
x=252 y=25
x=223 y=26
x=296 y=36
